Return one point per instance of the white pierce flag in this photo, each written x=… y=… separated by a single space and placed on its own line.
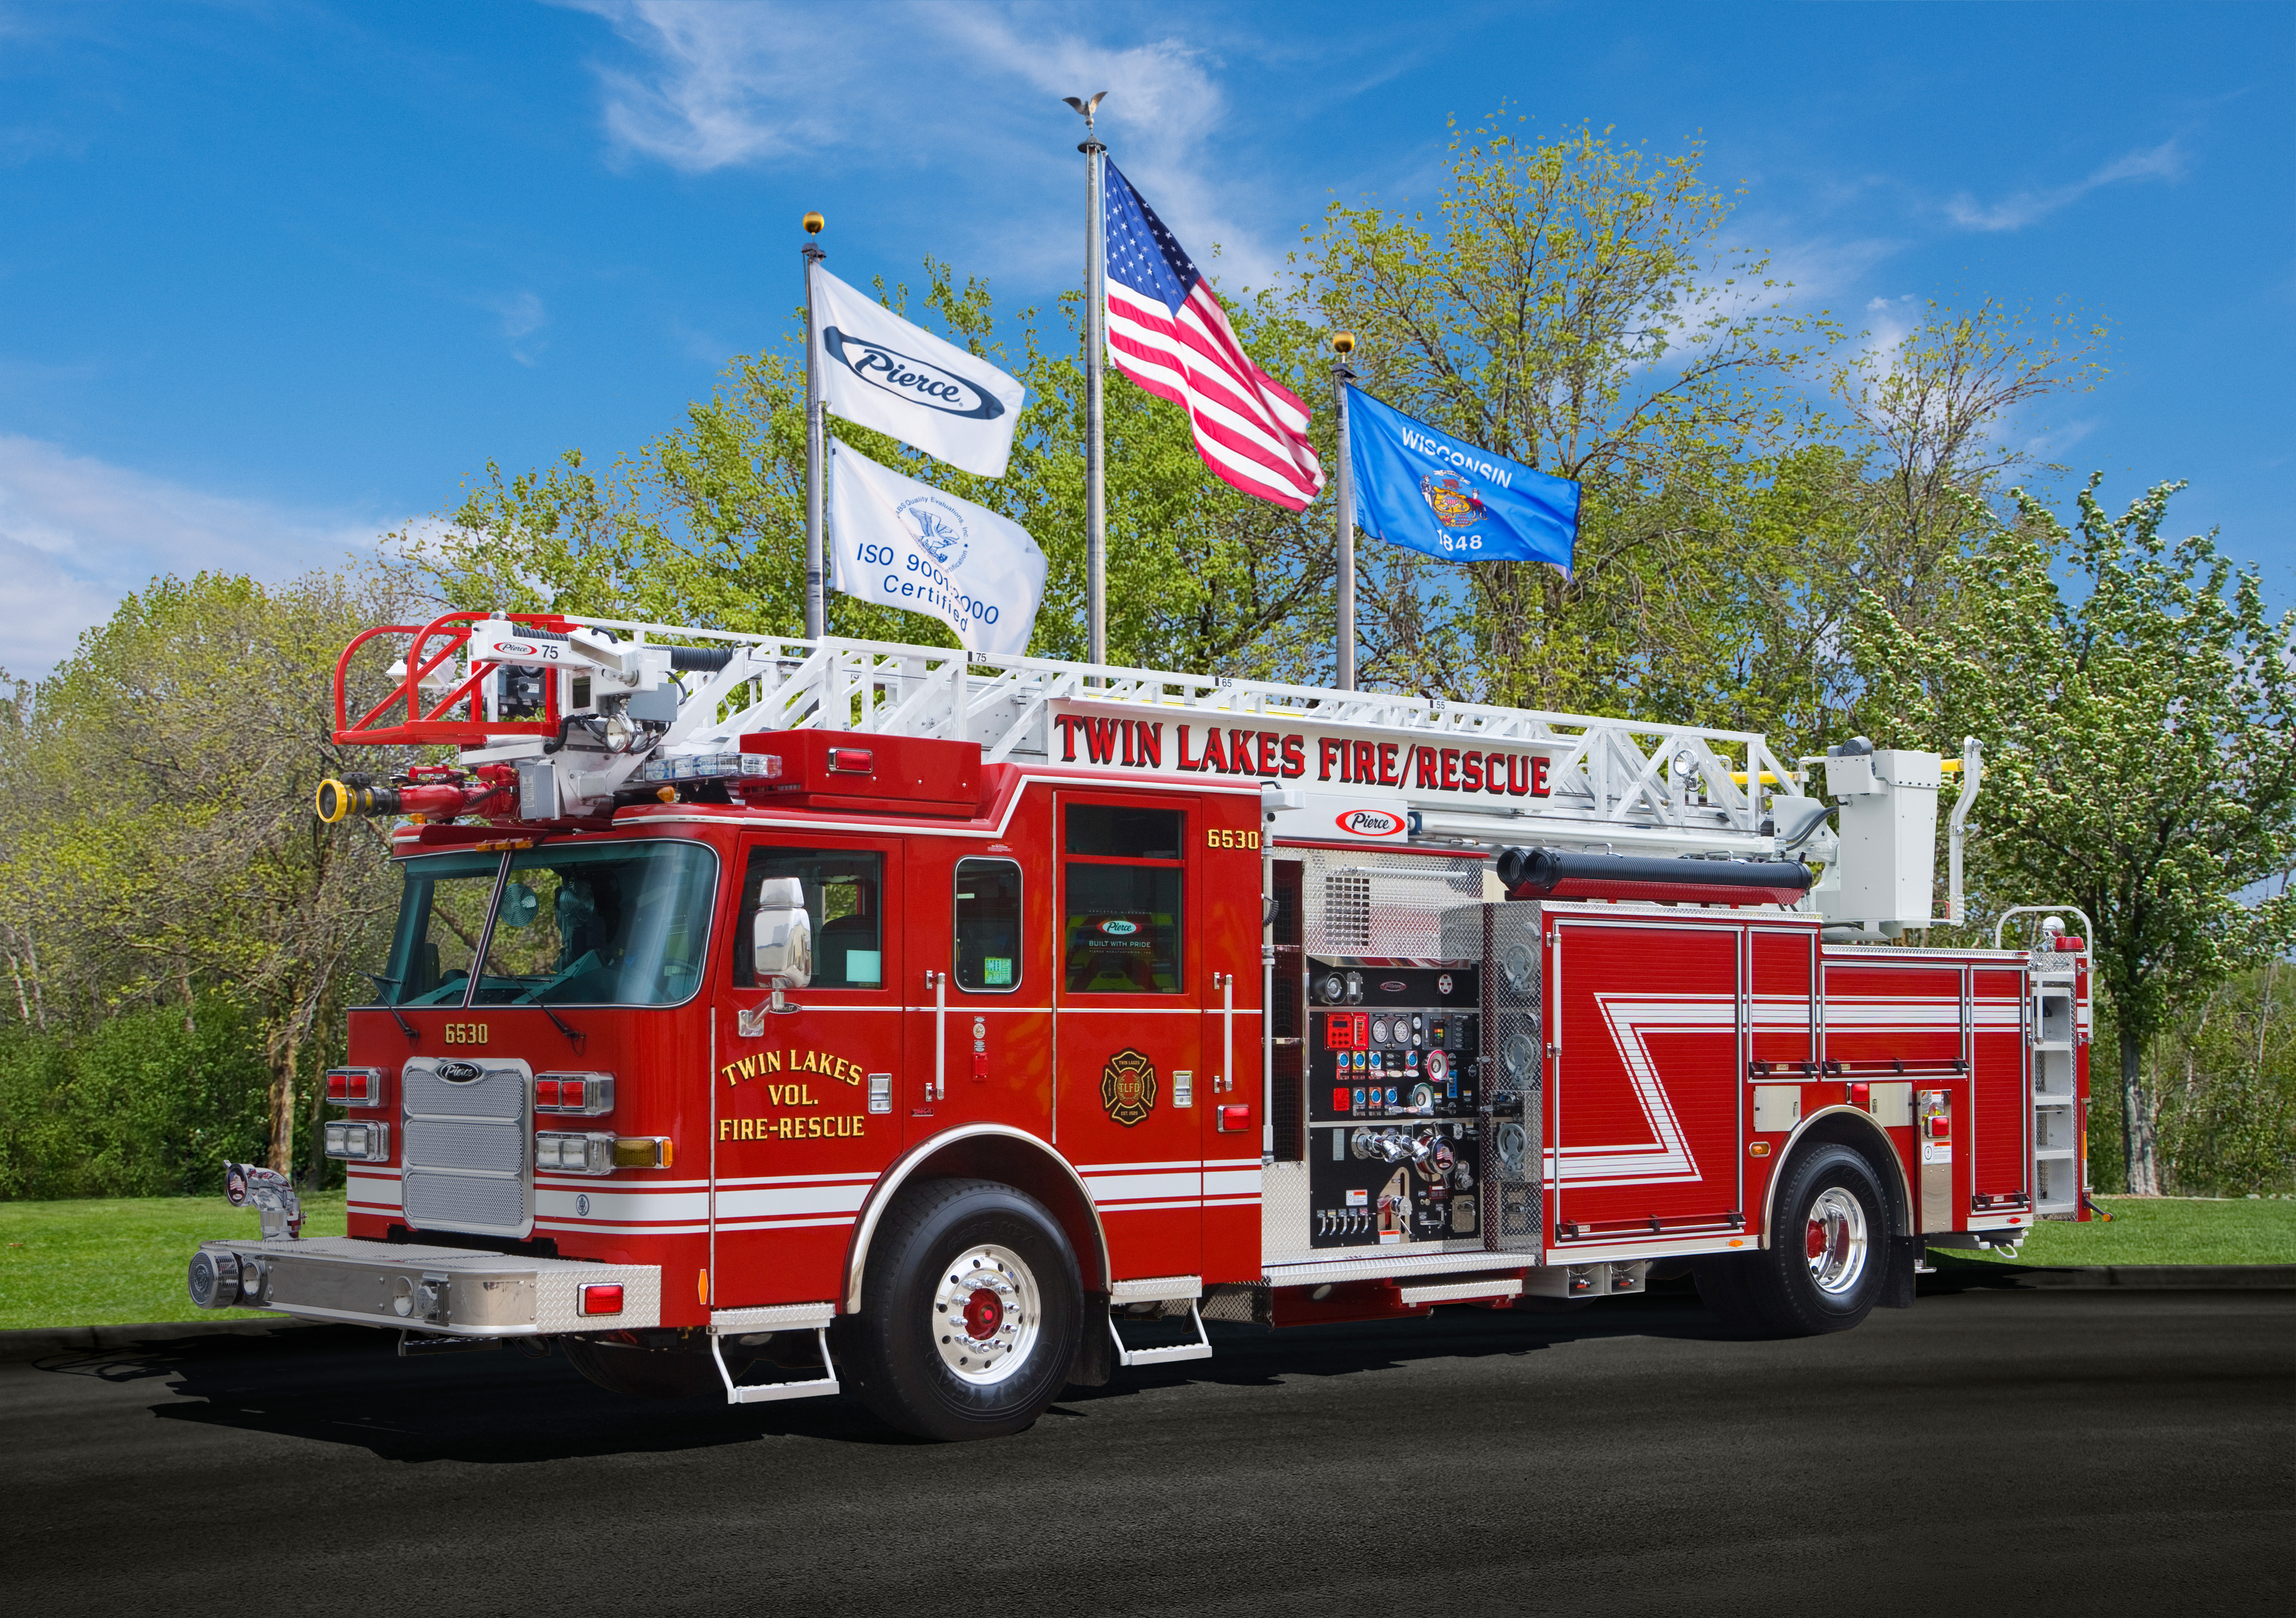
x=906 y=544
x=878 y=370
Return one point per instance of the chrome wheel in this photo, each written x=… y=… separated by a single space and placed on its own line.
x=1835 y=1241
x=988 y=1313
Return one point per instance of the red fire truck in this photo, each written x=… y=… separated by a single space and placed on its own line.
x=768 y=1017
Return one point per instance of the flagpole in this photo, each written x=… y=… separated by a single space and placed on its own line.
x=1095 y=344
x=1343 y=344
x=816 y=431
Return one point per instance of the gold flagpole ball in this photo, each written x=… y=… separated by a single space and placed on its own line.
x=812 y=224
x=1343 y=342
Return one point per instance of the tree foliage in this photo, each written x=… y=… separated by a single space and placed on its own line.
x=157 y=839
x=2140 y=720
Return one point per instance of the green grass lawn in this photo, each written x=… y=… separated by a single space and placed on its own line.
x=2157 y=1230
x=120 y=1261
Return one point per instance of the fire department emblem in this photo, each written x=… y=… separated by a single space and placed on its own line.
x=1453 y=500
x=1128 y=1087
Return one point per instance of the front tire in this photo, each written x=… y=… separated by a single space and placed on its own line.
x=1828 y=1259
x=971 y=1310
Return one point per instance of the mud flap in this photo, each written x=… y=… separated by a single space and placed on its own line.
x=1898 y=1282
x=1095 y=1355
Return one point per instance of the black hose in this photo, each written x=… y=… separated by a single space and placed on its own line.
x=1544 y=869
x=704 y=659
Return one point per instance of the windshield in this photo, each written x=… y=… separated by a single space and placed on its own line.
x=623 y=924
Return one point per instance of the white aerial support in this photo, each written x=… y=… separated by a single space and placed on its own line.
x=1615 y=783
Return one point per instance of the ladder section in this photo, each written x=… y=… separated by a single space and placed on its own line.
x=1606 y=780
x=611 y=694
x=2056 y=1104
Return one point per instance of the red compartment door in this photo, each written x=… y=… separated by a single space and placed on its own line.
x=1646 y=1078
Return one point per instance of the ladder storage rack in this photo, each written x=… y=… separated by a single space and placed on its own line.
x=2050 y=1033
x=1626 y=785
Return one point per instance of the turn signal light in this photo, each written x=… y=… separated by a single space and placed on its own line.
x=355 y=1086
x=641 y=1152
x=602 y=1300
x=1234 y=1120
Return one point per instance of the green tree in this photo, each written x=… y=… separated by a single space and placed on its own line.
x=2140 y=724
x=1571 y=306
x=156 y=826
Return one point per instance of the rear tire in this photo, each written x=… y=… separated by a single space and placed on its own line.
x=970 y=1314
x=1828 y=1257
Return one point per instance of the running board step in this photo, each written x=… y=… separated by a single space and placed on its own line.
x=1495 y=1290
x=779 y=1317
x=1160 y=1289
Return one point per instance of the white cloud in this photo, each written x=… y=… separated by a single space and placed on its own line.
x=522 y=316
x=2165 y=161
x=968 y=91
x=78 y=533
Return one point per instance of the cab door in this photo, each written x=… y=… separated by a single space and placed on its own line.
x=803 y=1116
x=1129 y=992
x=980 y=993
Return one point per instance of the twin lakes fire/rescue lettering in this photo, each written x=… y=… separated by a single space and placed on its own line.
x=1138 y=744
x=799 y=1125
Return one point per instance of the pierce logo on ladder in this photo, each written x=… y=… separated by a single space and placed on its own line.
x=1371 y=824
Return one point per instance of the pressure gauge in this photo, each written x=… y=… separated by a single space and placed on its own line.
x=1379 y=1032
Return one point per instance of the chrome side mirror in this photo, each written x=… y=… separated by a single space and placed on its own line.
x=780 y=938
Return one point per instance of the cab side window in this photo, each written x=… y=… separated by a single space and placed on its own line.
x=1123 y=884
x=988 y=926
x=844 y=896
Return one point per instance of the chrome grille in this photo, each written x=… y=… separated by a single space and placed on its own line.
x=466 y=1164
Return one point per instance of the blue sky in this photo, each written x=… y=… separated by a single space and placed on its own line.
x=277 y=277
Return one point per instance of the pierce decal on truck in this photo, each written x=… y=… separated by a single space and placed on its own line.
x=1128 y=1087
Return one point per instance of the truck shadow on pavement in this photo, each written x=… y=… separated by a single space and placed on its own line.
x=345 y=1385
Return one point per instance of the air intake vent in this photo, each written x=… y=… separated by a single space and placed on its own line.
x=467 y=1125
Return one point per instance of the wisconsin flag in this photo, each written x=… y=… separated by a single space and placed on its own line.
x=1428 y=491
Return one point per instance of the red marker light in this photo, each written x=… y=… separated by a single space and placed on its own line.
x=571 y=1092
x=546 y=1093
x=602 y=1300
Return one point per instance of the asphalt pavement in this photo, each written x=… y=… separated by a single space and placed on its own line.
x=2019 y=1452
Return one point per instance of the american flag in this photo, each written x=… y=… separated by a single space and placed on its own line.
x=1167 y=332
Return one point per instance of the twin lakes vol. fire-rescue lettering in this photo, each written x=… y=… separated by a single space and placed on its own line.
x=1141 y=744
x=799 y=1094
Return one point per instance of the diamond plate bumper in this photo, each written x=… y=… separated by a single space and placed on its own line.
x=443 y=1290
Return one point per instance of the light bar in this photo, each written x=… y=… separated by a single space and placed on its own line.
x=710 y=766
x=586 y=1094
x=567 y=1154
x=355 y=1086
x=358 y=1142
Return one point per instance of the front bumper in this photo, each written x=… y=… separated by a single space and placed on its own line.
x=447 y=1291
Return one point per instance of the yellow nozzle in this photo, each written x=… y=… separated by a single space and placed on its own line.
x=334 y=802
